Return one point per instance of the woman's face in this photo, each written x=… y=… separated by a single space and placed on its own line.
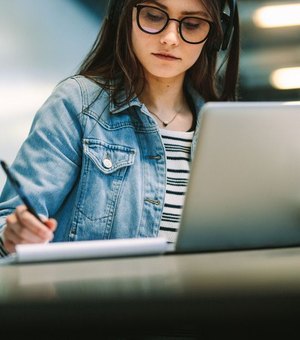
x=166 y=54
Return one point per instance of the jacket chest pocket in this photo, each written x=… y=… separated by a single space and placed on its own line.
x=108 y=158
x=105 y=167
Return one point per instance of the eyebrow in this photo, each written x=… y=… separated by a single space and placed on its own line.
x=201 y=13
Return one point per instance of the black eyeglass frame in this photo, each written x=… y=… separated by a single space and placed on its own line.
x=139 y=7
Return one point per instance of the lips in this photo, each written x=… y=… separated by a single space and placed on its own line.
x=165 y=56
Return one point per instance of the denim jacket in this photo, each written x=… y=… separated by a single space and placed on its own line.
x=99 y=169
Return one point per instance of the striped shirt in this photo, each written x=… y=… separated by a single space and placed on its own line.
x=3 y=252
x=178 y=152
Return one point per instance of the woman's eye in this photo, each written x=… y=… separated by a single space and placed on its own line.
x=152 y=14
x=191 y=26
x=154 y=17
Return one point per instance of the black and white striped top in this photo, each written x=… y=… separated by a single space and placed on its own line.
x=178 y=152
x=3 y=252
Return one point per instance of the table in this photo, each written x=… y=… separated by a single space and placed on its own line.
x=175 y=296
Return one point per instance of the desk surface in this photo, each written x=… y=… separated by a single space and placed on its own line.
x=193 y=291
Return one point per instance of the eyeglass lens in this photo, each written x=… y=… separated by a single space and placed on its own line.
x=153 y=20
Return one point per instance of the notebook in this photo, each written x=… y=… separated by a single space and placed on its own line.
x=64 y=251
x=244 y=190
x=243 y=193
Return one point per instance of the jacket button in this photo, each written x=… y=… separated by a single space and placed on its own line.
x=107 y=163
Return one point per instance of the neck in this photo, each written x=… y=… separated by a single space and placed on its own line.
x=164 y=96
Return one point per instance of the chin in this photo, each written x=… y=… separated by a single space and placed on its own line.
x=165 y=74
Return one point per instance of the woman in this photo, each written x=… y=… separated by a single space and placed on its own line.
x=109 y=153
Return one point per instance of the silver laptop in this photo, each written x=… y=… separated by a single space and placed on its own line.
x=244 y=190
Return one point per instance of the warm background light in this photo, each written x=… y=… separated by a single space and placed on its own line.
x=277 y=16
x=286 y=78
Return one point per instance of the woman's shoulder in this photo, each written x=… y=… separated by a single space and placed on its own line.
x=80 y=86
x=74 y=97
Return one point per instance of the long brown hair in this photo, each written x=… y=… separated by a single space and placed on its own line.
x=112 y=63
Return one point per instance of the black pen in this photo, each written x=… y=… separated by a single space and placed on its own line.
x=18 y=188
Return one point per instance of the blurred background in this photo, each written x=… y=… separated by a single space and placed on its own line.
x=44 y=41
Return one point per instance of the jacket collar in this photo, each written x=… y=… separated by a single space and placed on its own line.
x=117 y=108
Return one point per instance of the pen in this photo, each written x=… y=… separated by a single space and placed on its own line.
x=18 y=188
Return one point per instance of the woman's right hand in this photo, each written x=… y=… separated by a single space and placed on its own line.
x=23 y=228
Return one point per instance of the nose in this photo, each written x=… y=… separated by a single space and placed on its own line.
x=170 y=35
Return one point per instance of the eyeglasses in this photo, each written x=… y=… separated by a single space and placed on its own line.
x=153 y=20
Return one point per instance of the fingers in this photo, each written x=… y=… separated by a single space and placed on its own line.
x=51 y=224
x=22 y=227
x=9 y=246
x=19 y=233
x=31 y=224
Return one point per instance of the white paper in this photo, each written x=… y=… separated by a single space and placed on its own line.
x=90 y=249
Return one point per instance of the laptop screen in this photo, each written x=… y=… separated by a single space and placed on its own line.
x=244 y=189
